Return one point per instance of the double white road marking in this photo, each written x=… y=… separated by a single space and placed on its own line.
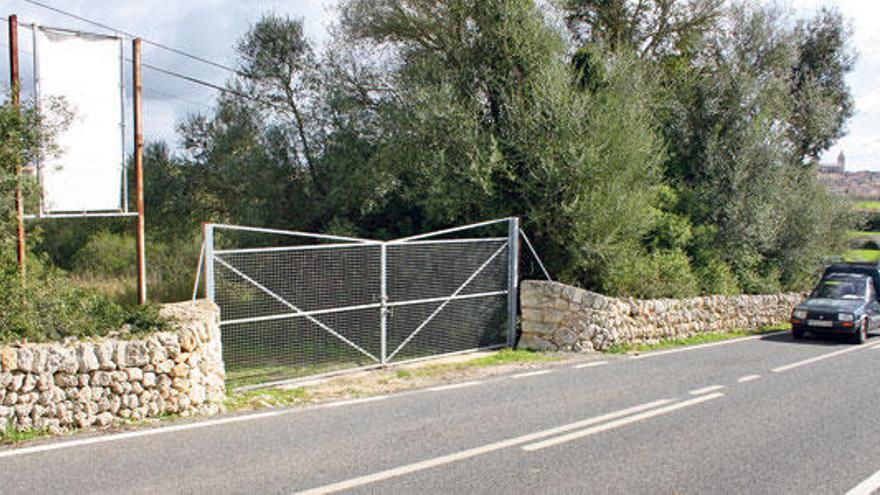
x=578 y=429
x=706 y=390
x=620 y=422
x=811 y=360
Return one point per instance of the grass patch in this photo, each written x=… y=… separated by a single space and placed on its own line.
x=12 y=436
x=502 y=357
x=510 y=356
x=703 y=338
x=861 y=255
x=270 y=397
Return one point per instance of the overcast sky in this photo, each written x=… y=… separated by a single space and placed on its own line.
x=209 y=28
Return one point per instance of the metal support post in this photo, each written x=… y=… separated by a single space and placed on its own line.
x=15 y=82
x=209 y=262
x=383 y=308
x=513 y=279
x=139 y=170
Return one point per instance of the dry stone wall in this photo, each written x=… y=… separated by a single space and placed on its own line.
x=559 y=317
x=77 y=384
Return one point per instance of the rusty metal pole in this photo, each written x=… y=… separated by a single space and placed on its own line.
x=139 y=170
x=15 y=82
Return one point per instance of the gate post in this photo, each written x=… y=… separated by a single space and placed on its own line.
x=383 y=304
x=209 y=262
x=512 y=278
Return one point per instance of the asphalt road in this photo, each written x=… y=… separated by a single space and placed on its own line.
x=764 y=415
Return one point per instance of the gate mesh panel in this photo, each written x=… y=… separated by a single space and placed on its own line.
x=426 y=270
x=461 y=325
x=265 y=351
x=261 y=282
x=309 y=279
x=318 y=278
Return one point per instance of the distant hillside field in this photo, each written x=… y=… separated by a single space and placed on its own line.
x=864 y=244
x=868 y=205
x=862 y=255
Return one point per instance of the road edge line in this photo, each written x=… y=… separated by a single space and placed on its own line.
x=707 y=345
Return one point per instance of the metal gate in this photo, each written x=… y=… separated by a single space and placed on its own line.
x=296 y=304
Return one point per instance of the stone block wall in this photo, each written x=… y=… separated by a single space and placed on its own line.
x=559 y=317
x=58 y=386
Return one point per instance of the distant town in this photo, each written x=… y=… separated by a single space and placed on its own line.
x=857 y=185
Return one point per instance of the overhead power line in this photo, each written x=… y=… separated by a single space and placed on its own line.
x=168 y=72
x=132 y=35
x=210 y=85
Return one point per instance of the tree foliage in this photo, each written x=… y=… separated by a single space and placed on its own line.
x=656 y=148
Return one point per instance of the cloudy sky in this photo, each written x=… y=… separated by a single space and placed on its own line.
x=209 y=28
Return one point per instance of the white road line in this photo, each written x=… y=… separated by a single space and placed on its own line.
x=140 y=433
x=747 y=378
x=589 y=365
x=876 y=346
x=532 y=373
x=466 y=454
x=357 y=401
x=620 y=422
x=116 y=437
x=811 y=360
x=452 y=386
x=704 y=346
x=867 y=487
x=706 y=390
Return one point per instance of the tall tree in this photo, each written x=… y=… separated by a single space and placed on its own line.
x=822 y=103
x=653 y=28
x=277 y=66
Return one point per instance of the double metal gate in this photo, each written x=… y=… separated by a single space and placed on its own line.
x=296 y=304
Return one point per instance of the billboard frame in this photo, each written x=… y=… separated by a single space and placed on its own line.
x=124 y=210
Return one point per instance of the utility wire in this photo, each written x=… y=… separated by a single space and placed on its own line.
x=211 y=85
x=168 y=72
x=187 y=78
x=171 y=73
x=131 y=35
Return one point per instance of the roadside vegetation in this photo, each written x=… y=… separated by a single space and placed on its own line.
x=13 y=436
x=49 y=306
x=645 y=160
x=395 y=379
x=703 y=338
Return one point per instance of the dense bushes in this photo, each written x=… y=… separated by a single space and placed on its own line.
x=50 y=307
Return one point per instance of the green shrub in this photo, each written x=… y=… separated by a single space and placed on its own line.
x=107 y=262
x=50 y=307
x=106 y=254
x=716 y=277
x=664 y=273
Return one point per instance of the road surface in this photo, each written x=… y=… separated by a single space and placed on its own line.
x=761 y=415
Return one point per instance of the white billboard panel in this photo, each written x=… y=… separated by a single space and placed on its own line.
x=86 y=174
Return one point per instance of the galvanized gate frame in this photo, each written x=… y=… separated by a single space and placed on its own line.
x=213 y=256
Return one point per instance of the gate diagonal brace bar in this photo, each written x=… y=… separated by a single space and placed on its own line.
x=447 y=301
x=294 y=308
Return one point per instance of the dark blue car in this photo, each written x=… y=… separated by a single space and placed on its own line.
x=842 y=303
